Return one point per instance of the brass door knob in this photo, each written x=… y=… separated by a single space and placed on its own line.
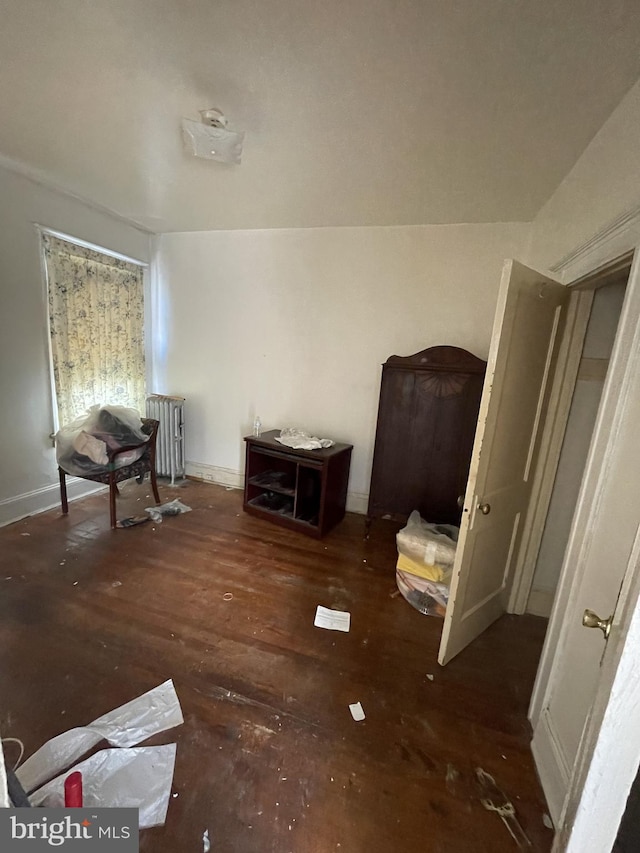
x=592 y=620
x=485 y=509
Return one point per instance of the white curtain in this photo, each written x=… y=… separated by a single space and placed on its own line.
x=96 y=316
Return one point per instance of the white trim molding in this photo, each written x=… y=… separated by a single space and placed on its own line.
x=214 y=474
x=233 y=478
x=44 y=498
x=619 y=237
x=84 y=244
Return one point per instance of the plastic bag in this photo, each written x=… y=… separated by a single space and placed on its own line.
x=153 y=712
x=426 y=553
x=300 y=439
x=427 y=550
x=174 y=507
x=83 y=446
x=428 y=597
x=121 y=778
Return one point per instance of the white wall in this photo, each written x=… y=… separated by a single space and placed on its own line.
x=28 y=472
x=294 y=325
x=603 y=185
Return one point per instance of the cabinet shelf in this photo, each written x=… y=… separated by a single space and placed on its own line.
x=273 y=481
x=303 y=490
x=266 y=503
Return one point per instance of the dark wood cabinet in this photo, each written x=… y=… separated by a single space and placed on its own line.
x=427 y=419
x=304 y=490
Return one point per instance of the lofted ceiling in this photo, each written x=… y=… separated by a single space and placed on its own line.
x=356 y=112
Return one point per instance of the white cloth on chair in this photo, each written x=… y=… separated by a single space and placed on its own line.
x=92 y=447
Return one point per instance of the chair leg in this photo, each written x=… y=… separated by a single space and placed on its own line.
x=63 y=491
x=113 y=488
x=154 y=486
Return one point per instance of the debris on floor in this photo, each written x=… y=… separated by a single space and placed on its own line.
x=73 y=791
x=126 y=726
x=206 y=844
x=495 y=800
x=174 y=507
x=140 y=777
x=132 y=521
x=357 y=712
x=332 y=620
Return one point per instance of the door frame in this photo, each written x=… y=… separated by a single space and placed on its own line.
x=566 y=374
x=564 y=381
x=607 y=760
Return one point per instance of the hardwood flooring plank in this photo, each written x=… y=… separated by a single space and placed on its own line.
x=269 y=758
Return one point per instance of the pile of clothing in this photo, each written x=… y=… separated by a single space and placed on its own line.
x=84 y=446
x=426 y=553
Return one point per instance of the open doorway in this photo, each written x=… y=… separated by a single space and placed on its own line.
x=594 y=361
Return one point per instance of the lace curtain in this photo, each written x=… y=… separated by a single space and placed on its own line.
x=96 y=318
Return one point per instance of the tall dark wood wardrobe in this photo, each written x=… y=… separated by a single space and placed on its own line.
x=427 y=419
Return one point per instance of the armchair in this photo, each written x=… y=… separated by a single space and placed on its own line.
x=111 y=475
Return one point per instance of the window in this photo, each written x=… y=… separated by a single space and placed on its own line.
x=96 y=321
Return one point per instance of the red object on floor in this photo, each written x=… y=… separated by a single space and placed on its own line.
x=73 y=791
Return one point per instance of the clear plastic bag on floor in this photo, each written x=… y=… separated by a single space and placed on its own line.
x=427 y=550
x=175 y=507
x=427 y=597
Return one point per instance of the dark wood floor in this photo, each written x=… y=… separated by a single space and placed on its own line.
x=269 y=758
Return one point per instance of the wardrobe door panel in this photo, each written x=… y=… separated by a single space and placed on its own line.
x=426 y=424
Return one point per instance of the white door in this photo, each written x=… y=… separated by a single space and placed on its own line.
x=601 y=560
x=529 y=320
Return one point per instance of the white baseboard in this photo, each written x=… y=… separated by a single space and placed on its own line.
x=540 y=602
x=356 y=501
x=47 y=497
x=215 y=474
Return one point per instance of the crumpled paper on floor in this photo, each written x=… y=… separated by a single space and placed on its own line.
x=120 y=778
x=128 y=725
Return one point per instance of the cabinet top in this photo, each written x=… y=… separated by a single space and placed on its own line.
x=268 y=439
x=446 y=359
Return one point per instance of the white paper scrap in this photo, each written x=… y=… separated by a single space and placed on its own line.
x=332 y=620
x=356 y=711
x=120 y=778
x=128 y=725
